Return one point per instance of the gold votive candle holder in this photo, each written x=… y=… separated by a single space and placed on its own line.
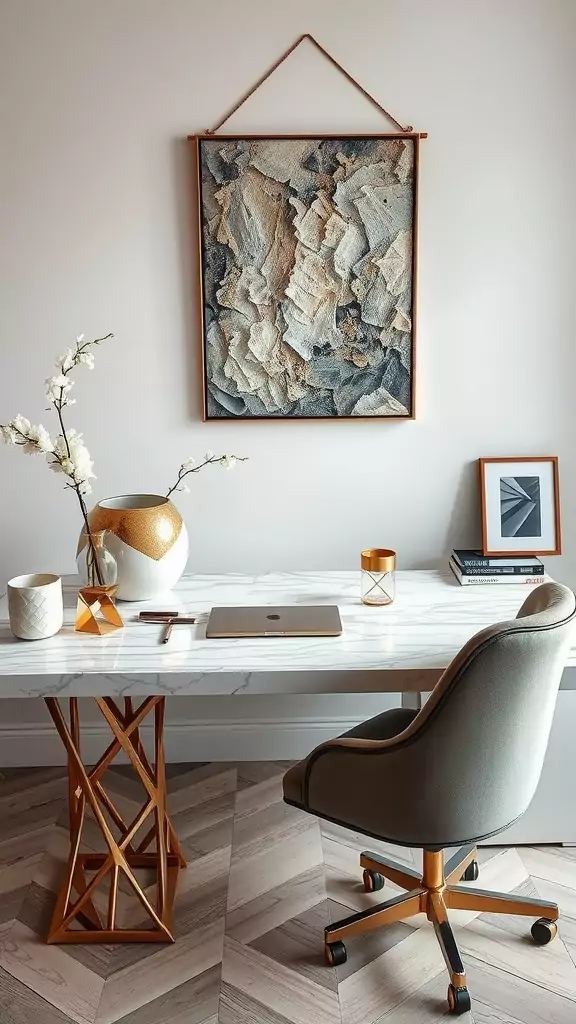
x=377 y=576
x=96 y=612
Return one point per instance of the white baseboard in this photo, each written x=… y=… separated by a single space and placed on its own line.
x=32 y=745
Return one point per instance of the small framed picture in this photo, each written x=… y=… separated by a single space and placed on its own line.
x=520 y=506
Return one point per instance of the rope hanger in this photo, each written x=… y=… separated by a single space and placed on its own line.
x=405 y=130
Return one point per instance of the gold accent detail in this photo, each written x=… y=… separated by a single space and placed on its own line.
x=378 y=560
x=393 y=874
x=432 y=895
x=96 y=611
x=496 y=903
x=124 y=857
x=152 y=531
x=413 y=903
x=433 y=870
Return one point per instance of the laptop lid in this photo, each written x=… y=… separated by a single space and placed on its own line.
x=292 y=620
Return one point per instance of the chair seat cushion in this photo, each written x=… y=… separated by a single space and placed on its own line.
x=382 y=727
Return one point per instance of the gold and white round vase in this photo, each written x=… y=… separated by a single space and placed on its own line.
x=148 y=539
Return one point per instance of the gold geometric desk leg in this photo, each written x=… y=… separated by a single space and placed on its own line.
x=76 y=918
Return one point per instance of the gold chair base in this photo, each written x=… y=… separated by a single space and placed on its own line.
x=433 y=894
x=77 y=919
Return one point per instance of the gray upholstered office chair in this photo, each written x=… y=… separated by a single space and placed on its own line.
x=460 y=770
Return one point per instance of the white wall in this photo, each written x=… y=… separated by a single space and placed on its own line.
x=97 y=235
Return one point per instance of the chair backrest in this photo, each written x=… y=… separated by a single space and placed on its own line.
x=483 y=734
x=468 y=764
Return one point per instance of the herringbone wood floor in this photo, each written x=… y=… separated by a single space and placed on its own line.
x=262 y=881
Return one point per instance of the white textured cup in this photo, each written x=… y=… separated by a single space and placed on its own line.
x=35 y=605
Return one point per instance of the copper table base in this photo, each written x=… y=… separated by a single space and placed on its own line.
x=76 y=918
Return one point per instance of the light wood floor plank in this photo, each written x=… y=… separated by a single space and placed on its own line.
x=19 y=873
x=48 y=971
x=144 y=981
x=257 y=798
x=208 y=784
x=516 y=997
x=544 y=864
x=388 y=981
x=21 y=1005
x=425 y=1005
x=280 y=904
x=484 y=1014
x=238 y=1008
x=286 y=993
x=266 y=869
x=547 y=966
x=299 y=945
x=194 y=1002
x=271 y=827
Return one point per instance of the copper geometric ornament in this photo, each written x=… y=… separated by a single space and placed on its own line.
x=96 y=611
x=88 y=907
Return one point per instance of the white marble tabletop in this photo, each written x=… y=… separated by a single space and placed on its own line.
x=404 y=646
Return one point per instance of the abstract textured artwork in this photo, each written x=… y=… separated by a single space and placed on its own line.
x=307 y=273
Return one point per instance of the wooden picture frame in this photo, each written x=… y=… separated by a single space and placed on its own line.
x=300 y=385
x=520 y=510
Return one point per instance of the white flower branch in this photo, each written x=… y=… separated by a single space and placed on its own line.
x=190 y=466
x=67 y=454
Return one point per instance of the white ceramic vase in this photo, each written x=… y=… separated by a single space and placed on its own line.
x=147 y=537
x=35 y=605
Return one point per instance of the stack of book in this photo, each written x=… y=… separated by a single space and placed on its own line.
x=472 y=567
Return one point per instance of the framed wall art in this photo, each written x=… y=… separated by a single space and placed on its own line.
x=520 y=506
x=307 y=275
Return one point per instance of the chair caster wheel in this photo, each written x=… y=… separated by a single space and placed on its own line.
x=335 y=953
x=458 y=1000
x=373 y=880
x=471 y=873
x=543 y=931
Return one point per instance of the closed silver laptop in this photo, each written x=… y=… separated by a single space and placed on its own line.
x=292 y=620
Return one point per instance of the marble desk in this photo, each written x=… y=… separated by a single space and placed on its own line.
x=400 y=648
x=403 y=647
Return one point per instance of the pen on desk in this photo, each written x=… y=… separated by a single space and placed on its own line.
x=176 y=621
x=168 y=631
x=157 y=616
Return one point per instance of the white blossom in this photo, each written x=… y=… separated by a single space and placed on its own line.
x=184 y=488
x=209 y=455
x=38 y=440
x=66 y=362
x=44 y=440
x=61 y=465
x=9 y=435
x=228 y=461
x=60 y=448
x=59 y=381
x=83 y=465
x=67 y=454
x=21 y=424
x=57 y=389
x=188 y=464
x=73 y=458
